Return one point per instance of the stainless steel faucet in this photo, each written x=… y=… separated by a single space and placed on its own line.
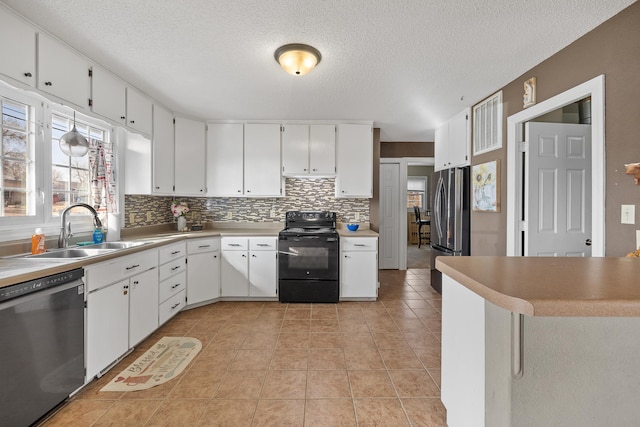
x=65 y=226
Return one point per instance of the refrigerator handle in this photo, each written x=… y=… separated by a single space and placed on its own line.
x=438 y=207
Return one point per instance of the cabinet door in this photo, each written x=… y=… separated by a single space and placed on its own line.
x=441 y=148
x=18 y=49
x=143 y=306
x=107 y=326
x=460 y=139
x=163 y=162
x=358 y=273
x=108 y=95
x=203 y=277
x=322 y=149
x=139 y=111
x=62 y=72
x=263 y=277
x=262 y=171
x=234 y=274
x=295 y=149
x=189 y=157
x=354 y=157
x=225 y=159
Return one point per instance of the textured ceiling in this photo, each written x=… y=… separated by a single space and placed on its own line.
x=408 y=65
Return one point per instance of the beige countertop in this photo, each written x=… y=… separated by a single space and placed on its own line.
x=573 y=287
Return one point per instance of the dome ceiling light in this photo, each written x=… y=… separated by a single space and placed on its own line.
x=72 y=143
x=297 y=59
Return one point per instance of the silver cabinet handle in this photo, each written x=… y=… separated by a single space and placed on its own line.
x=204 y=246
x=359 y=244
x=235 y=245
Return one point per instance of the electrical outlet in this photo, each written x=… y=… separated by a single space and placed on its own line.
x=637 y=239
x=628 y=214
x=132 y=218
x=149 y=216
x=273 y=213
x=229 y=215
x=356 y=215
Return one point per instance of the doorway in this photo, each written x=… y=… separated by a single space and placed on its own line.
x=516 y=192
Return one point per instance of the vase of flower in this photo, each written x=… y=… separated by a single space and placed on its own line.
x=179 y=211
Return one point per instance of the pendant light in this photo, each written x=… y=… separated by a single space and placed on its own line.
x=297 y=59
x=72 y=143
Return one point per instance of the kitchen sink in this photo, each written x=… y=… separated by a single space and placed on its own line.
x=71 y=253
x=116 y=245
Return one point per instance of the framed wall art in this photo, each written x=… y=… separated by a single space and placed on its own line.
x=485 y=185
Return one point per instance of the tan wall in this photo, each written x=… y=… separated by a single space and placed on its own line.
x=612 y=49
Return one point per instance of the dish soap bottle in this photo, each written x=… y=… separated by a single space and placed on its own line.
x=98 y=236
x=37 y=242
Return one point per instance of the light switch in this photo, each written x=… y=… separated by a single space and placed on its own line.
x=637 y=239
x=628 y=214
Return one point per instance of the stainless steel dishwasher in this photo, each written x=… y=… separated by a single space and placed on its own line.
x=41 y=346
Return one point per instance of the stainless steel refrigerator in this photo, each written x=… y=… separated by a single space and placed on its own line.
x=450 y=217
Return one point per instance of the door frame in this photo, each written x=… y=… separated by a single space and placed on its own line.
x=405 y=162
x=515 y=134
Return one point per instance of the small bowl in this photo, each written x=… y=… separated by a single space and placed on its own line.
x=352 y=227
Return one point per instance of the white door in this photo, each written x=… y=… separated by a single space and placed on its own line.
x=263 y=277
x=234 y=273
x=558 y=190
x=389 y=215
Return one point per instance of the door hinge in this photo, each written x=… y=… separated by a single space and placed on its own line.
x=174 y=188
x=523 y=226
x=281 y=128
x=90 y=72
x=90 y=102
x=523 y=146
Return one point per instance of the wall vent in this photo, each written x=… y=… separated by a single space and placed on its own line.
x=487 y=125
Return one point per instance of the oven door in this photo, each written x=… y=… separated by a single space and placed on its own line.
x=308 y=257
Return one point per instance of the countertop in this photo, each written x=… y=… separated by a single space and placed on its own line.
x=541 y=286
x=18 y=270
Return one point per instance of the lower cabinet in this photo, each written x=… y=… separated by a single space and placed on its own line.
x=358 y=267
x=203 y=270
x=173 y=280
x=143 y=315
x=249 y=267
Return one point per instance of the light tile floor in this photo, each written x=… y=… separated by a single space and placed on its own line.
x=272 y=364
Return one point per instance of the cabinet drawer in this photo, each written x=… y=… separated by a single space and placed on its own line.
x=172 y=286
x=171 y=307
x=100 y=275
x=359 y=244
x=170 y=252
x=235 y=243
x=263 y=243
x=197 y=246
x=172 y=268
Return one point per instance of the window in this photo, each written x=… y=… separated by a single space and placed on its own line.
x=417 y=194
x=17 y=155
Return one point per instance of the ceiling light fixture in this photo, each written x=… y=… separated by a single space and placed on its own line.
x=297 y=59
x=72 y=143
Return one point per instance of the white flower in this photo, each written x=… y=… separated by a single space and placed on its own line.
x=179 y=209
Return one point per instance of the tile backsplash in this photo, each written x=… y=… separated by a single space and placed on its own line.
x=301 y=194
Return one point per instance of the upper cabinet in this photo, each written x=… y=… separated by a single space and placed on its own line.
x=453 y=142
x=18 y=44
x=62 y=72
x=354 y=161
x=139 y=111
x=163 y=145
x=244 y=160
x=309 y=150
x=189 y=152
x=108 y=95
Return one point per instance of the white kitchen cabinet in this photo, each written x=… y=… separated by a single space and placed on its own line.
x=354 y=161
x=162 y=151
x=139 y=111
x=137 y=162
x=190 y=160
x=109 y=286
x=249 y=267
x=234 y=269
x=107 y=326
x=62 y=72
x=243 y=160
x=263 y=267
x=358 y=267
x=18 y=49
x=173 y=280
x=452 y=145
x=262 y=170
x=143 y=311
x=309 y=150
x=225 y=159
x=203 y=270
x=108 y=95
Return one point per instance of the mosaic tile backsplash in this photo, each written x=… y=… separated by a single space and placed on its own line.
x=301 y=194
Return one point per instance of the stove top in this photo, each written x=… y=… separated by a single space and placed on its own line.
x=310 y=223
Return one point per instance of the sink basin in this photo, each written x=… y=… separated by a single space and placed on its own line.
x=71 y=253
x=116 y=245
